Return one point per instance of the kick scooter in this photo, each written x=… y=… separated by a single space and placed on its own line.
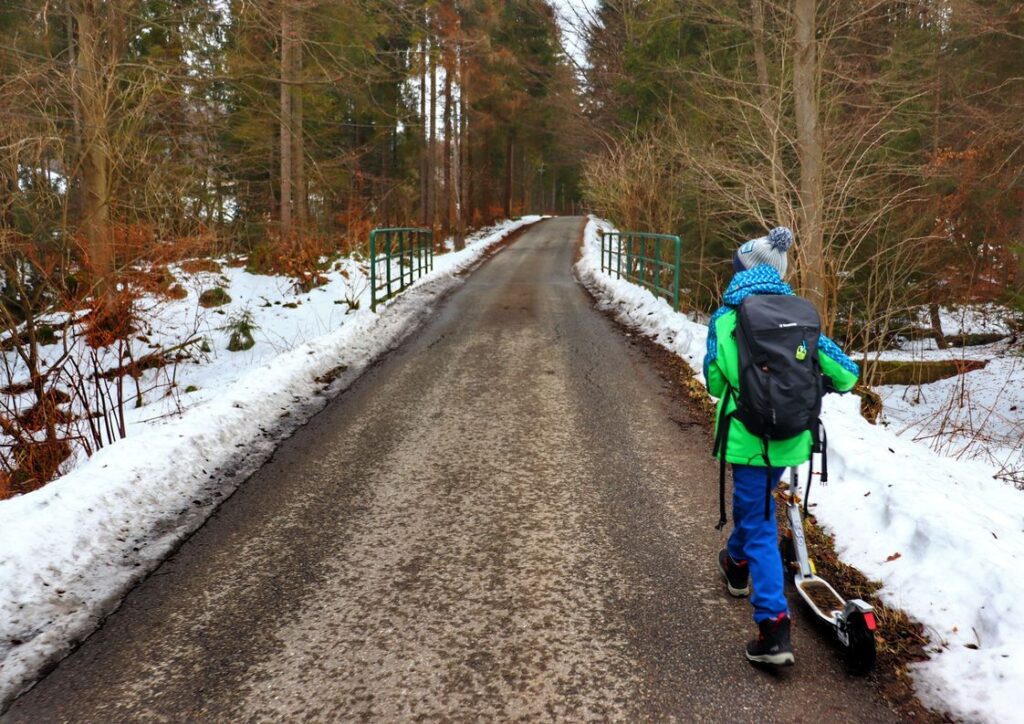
x=852 y=621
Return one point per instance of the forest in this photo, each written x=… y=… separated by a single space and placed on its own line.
x=887 y=134
x=321 y=395
x=138 y=134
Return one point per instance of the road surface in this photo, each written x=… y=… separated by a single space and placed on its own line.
x=510 y=517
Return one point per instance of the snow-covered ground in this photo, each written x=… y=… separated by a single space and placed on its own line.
x=945 y=537
x=73 y=548
x=974 y=416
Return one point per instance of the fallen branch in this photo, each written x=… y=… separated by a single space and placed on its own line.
x=154 y=360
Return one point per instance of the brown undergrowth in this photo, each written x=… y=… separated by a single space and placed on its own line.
x=900 y=640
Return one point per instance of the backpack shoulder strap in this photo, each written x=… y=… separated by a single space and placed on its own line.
x=819 y=445
x=721 y=445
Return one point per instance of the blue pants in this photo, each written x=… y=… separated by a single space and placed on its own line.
x=756 y=540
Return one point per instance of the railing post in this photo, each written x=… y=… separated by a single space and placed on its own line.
x=409 y=252
x=629 y=256
x=387 y=254
x=656 y=276
x=643 y=260
x=418 y=236
x=373 y=270
x=676 y=275
x=410 y=238
x=401 y=260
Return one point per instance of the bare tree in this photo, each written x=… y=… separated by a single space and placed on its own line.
x=806 y=86
x=94 y=83
x=287 y=146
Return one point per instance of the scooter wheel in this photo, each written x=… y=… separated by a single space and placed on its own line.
x=860 y=653
x=788 y=550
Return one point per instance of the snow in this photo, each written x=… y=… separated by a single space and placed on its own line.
x=974 y=416
x=957 y=529
x=72 y=549
x=975 y=319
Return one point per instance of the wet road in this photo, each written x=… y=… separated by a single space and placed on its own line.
x=509 y=518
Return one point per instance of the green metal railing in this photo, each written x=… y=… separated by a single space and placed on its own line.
x=412 y=250
x=650 y=260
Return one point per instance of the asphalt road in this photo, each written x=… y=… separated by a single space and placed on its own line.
x=508 y=518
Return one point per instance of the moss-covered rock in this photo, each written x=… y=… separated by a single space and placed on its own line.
x=215 y=297
x=975 y=339
x=916 y=372
x=47 y=335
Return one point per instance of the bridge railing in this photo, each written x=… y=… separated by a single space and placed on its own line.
x=398 y=257
x=650 y=260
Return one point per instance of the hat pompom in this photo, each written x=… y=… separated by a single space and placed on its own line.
x=780 y=238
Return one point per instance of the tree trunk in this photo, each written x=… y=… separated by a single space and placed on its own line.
x=424 y=140
x=449 y=190
x=525 y=186
x=1019 y=275
x=92 y=89
x=463 y=208
x=809 y=154
x=287 y=43
x=298 y=160
x=9 y=184
x=769 y=110
x=509 y=158
x=936 y=320
x=432 y=170
x=74 y=203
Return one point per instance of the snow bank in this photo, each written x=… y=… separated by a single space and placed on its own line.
x=74 y=548
x=945 y=538
x=974 y=416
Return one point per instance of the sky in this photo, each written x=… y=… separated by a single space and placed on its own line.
x=571 y=13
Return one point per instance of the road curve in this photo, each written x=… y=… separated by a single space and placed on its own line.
x=508 y=518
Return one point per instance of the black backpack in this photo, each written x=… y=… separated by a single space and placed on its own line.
x=780 y=380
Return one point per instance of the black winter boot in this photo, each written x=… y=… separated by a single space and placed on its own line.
x=736 y=575
x=772 y=646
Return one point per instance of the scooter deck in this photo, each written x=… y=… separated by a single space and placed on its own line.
x=821 y=597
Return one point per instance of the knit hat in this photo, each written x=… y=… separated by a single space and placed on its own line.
x=770 y=250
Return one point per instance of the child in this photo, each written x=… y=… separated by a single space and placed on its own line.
x=753 y=551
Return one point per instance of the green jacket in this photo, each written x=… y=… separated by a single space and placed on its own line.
x=721 y=369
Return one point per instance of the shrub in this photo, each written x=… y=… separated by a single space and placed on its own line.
x=240 y=327
x=112 y=318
